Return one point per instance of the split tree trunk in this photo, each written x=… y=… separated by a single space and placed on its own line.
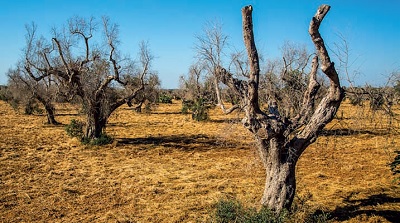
x=281 y=141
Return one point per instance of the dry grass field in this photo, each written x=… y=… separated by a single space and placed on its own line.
x=165 y=167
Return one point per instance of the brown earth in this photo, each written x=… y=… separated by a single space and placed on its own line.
x=165 y=167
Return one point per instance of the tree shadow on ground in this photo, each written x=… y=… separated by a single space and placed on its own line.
x=155 y=112
x=351 y=132
x=227 y=120
x=365 y=206
x=67 y=114
x=167 y=113
x=184 y=142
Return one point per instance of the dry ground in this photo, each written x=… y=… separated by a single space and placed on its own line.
x=164 y=167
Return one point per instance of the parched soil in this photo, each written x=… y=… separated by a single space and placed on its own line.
x=165 y=167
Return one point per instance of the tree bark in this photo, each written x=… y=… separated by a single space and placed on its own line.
x=280 y=182
x=95 y=123
x=50 y=114
x=280 y=187
x=94 y=128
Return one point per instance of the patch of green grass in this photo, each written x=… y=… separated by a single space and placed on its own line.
x=231 y=210
x=75 y=128
x=104 y=139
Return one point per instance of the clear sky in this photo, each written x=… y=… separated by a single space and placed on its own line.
x=372 y=29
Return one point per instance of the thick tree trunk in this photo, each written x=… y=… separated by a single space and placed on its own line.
x=280 y=183
x=95 y=123
x=280 y=187
x=50 y=114
x=94 y=128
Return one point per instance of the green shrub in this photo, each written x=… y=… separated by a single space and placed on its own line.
x=186 y=105
x=164 y=98
x=75 y=129
x=104 y=139
x=261 y=216
x=200 y=110
x=227 y=211
x=198 y=107
x=230 y=210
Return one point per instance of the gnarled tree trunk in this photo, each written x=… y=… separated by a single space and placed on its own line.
x=94 y=127
x=50 y=110
x=95 y=123
x=280 y=182
x=280 y=140
x=50 y=114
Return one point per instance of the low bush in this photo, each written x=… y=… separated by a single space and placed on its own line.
x=230 y=210
x=75 y=129
x=198 y=107
x=104 y=139
x=227 y=211
x=164 y=98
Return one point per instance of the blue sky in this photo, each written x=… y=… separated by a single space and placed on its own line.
x=372 y=29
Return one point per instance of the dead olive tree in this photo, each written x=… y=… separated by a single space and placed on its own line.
x=198 y=92
x=150 y=94
x=89 y=68
x=25 y=90
x=281 y=140
x=210 y=48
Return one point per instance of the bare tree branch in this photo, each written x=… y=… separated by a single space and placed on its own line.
x=61 y=54
x=83 y=28
x=327 y=66
x=253 y=59
x=309 y=96
x=227 y=78
x=329 y=105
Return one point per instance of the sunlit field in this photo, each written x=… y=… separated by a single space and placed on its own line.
x=165 y=167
